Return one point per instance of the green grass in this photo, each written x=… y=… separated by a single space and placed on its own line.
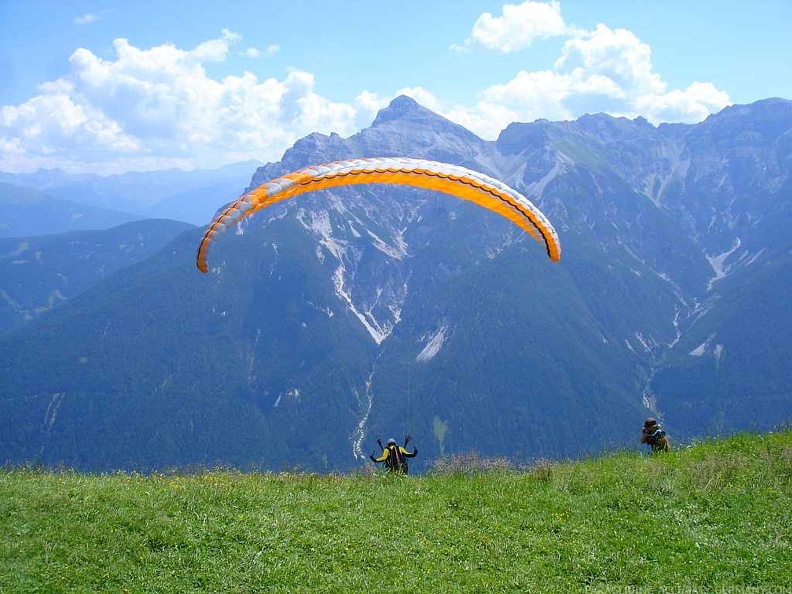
x=708 y=518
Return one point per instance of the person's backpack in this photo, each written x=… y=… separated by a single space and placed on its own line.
x=395 y=461
x=658 y=441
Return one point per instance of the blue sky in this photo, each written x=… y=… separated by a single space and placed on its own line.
x=107 y=87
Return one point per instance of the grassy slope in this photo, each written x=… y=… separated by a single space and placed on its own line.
x=706 y=518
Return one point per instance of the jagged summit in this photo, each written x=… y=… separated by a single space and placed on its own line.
x=403 y=118
x=402 y=107
x=406 y=110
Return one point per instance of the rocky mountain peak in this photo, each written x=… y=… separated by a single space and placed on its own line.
x=403 y=108
x=519 y=137
x=609 y=129
x=769 y=115
x=406 y=114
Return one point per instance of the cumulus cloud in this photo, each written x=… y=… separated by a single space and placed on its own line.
x=214 y=50
x=159 y=107
x=145 y=108
x=616 y=54
x=692 y=104
x=518 y=27
x=604 y=70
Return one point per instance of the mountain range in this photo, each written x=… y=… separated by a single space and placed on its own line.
x=40 y=272
x=340 y=316
x=188 y=196
x=26 y=211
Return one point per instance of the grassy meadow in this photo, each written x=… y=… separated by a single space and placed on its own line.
x=713 y=517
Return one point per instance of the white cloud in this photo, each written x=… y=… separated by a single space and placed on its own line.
x=367 y=105
x=148 y=107
x=254 y=52
x=518 y=27
x=616 y=54
x=527 y=97
x=603 y=70
x=693 y=104
x=215 y=50
x=46 y=121
x=86 y=19
x=158 y=107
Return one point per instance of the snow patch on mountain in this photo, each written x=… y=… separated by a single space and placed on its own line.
x=677 y=329
x=647 y=342
x=52 y=410
x=397 y=251
x=316 y=221
x=293 y=393
x=373 y=328
x=718 y=264
x=252 y=358
x=701 y=349
x=325 y=310
x=537 y=188
x=747 y=259
x=364 y=402
x=433 y=345
x=656 y=183
x=319 y=224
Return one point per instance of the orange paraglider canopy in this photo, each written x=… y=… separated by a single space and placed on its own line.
x=431 y=175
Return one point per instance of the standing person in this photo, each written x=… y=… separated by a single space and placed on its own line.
x=395 y=457
x=655 y=436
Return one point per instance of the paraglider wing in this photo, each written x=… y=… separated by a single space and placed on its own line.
x=442 y=177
